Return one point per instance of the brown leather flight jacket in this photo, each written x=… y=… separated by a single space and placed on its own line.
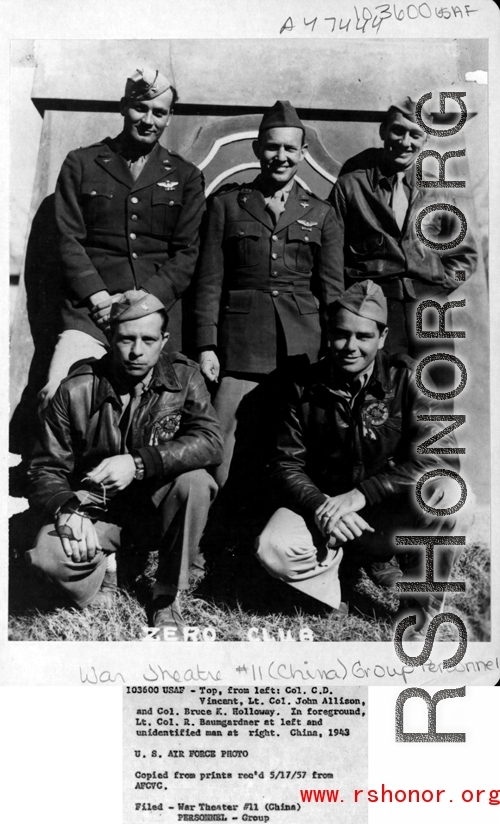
x=174 y=429
x=325 y=447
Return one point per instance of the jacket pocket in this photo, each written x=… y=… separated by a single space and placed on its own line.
x=243 y=241
x=239 y=301
x=370 y=245
x=307 y=304
x=165 y=209
x=301 y=245
x=97 y=204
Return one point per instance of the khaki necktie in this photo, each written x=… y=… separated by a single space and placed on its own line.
x=399 y=202
x=128 y=414
x=276 y=206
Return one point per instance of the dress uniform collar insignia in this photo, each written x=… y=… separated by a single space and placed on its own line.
x=307 y=224
x=243 y=199
x=168 y=184
x=304 y=203
x=106 y=160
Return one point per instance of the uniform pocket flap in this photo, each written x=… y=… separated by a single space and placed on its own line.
x=244 y=228
x=307 y=304
x=160 y=195
x=306 y=234
x=240 y=301
x=95 y=190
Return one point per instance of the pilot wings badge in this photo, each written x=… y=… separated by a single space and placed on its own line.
x=307 y=224
x=168 y=184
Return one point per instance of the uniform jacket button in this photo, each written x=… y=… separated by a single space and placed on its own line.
x=275 y=293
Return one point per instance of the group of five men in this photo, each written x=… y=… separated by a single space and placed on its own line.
x=131 y=448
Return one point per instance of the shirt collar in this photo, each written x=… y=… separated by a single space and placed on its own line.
x=260 y=185
x=382 y=173
x=163 y=375
x=378 y=377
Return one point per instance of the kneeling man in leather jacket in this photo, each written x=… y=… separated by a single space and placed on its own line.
x=122 y=460
x=347 y=462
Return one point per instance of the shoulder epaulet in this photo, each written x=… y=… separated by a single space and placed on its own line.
x=178 y=357
x=85 y=368
x=94 y=145
x=401 y=359
x=227 y=188
x=312 y=194
x=180 y=157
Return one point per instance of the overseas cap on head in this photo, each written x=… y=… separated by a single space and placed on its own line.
x=131 y=307
x=281 y=115
x=146 y=84
x=365 y=299
x=405 y=107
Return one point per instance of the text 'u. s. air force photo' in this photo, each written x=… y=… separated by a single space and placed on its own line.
x=250 y=368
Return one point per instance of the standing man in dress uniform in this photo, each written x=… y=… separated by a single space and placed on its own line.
x=347 y=463
x=121 y=459
x=265 y=272
x=128 y=212
x=376 y=201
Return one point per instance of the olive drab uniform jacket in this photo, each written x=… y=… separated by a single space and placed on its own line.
x=260 y=286
x=371 y=244
x=119 y=234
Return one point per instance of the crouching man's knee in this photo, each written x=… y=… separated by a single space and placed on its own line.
x=196 y=484
x=275 y=545
x=80 y=581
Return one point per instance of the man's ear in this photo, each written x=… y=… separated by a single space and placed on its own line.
x=166 y=336
x=256 y=149
x=123 y=105
x=383 y=336
x=382 y=131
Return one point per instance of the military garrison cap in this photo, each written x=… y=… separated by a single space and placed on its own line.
x=281 y=115
x=146 y=84
x=365 y=299
x=405 y=107
x=130 y=307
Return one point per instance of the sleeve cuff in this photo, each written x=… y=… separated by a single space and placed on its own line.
x=151 y=458
x=59 y=500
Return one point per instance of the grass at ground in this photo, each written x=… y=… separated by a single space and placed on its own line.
x=237 y=597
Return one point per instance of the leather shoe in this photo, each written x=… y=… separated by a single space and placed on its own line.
x=385 y=573
x=106 y=596
x=168 y=619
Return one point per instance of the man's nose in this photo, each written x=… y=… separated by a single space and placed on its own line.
x=136 y=349
x=148 y=116
x=351 y=343
x=406 y=139
x=281 y=154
